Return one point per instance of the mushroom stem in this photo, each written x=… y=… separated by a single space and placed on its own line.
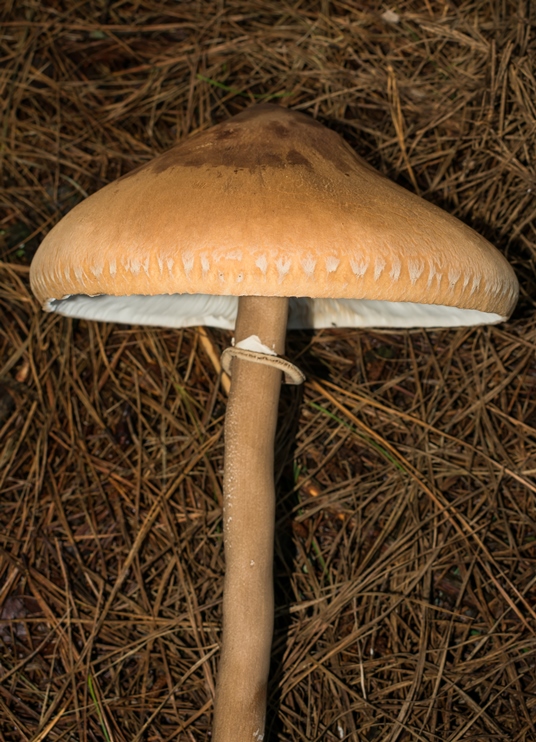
x=248 y=527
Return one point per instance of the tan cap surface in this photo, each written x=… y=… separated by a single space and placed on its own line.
x=270 y=203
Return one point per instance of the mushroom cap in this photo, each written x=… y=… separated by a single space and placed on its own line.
x=271 y=203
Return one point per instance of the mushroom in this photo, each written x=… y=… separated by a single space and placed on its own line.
x=265 y=212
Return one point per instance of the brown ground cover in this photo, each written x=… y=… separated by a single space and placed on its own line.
x=406 y=539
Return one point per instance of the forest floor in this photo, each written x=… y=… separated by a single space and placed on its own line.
x=406 y=464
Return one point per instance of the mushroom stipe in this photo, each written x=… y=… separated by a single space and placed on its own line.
x=298 y=222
